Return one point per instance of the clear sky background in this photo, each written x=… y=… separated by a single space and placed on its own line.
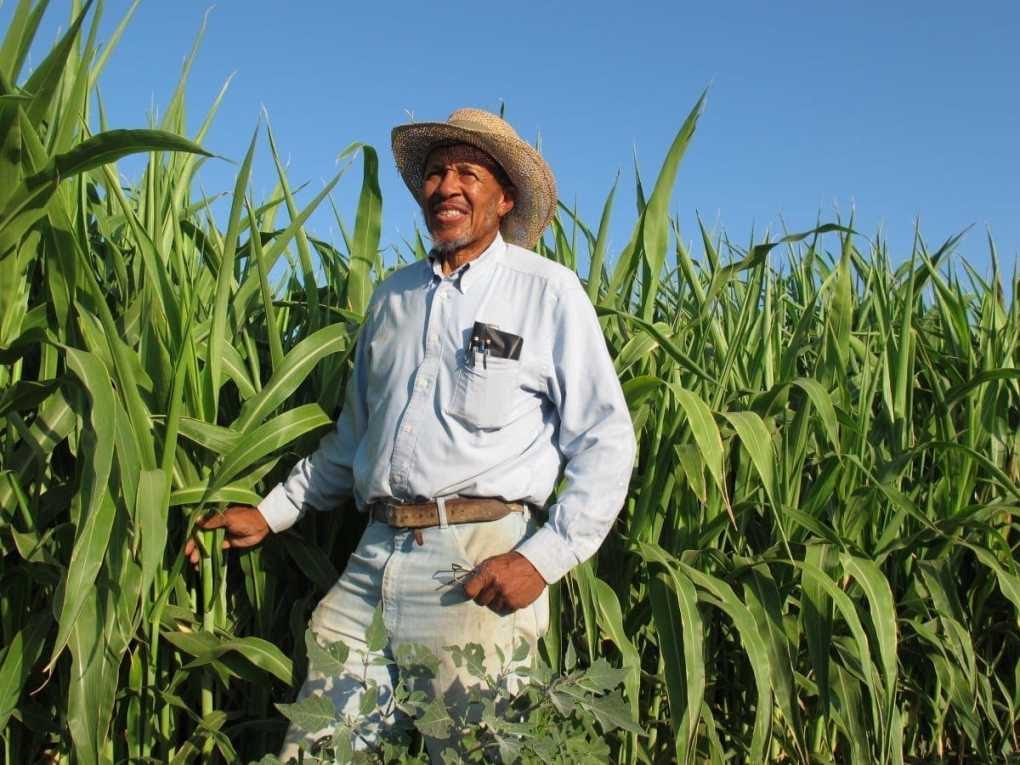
x=902 y=111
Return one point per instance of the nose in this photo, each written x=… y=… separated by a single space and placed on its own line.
x=449 y=184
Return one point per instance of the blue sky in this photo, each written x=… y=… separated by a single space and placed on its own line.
x=901 y=111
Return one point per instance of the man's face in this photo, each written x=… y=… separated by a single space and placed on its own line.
x=463 y=200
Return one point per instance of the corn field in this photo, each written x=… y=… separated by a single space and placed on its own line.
x=817 y=562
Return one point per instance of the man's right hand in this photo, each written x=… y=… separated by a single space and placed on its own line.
x=244 y=524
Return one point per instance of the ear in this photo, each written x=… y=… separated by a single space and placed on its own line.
x=507 y=204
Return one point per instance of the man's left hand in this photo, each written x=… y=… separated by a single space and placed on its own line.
x=505 y=583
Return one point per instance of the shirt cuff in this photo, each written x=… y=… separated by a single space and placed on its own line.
x=548 y=553
x=280 y=513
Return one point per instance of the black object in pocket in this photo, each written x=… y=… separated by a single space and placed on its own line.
x=494 y=343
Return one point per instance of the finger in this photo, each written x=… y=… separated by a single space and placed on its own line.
x=226 y=545
x=489 y=594
x=500 y=605
x=494 y=603
x=189 y=547
x=243 y=543
x=476 y=583
x=213 y=521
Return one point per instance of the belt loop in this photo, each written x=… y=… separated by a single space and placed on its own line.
x=441 y=507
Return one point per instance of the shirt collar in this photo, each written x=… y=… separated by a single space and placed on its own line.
x=473 y=270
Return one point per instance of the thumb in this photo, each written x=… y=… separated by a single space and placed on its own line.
x=477 y=582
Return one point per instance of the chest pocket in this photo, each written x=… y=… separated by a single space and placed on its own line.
x=483 y=393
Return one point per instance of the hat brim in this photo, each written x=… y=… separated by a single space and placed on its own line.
x=535 y=198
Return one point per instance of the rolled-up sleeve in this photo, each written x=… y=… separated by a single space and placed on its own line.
x=595 y=438
x=325 y=477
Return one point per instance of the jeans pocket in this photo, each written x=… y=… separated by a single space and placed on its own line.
x=483 y=392
x=478 y=541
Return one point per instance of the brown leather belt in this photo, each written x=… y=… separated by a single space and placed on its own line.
x=458 y=510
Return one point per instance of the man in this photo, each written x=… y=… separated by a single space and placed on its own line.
x=479 y=374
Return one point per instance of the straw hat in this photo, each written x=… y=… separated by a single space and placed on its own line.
x=535 y=202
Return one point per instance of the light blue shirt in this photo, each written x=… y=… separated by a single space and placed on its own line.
x=419 y=421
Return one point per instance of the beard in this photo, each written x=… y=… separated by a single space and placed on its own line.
x=450 y=245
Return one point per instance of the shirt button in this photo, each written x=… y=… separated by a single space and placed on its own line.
x=408 y=428
x=434 y=338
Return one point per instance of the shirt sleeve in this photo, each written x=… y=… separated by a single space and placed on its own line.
x=595 y=438
x=325 y=477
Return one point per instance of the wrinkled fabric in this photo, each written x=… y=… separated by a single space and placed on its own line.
x=421 y=421
x=422 y=603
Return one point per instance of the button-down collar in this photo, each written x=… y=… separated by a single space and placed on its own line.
x=473 y=270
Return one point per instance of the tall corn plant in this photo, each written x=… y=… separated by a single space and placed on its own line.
x=818 y=559
x=151 y=373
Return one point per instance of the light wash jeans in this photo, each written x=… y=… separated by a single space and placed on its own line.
x=420 y=605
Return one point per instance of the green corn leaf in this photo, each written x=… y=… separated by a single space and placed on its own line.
x=1009 y=581
x=21 y=31
x=304 y=252
x=53 y=422
x=267 y=438
x=151 y=507
x=610 y=619
x=296 y=366
x=224 y=280
x=684 y=653
x=26 y=394
x=218 y=440
x=108 y=147
x=598 y=256
x=816 y=618
x=231 y=494
x=765 y=603
x=94 y=675
x=758 y=441
x=93 y=536
x=365 y=245
x=861 y=645
x=261 y=267
x=958 y=392
x=757 y=256
x=670 y=347
x=10 y=153
x=22 y=652
x=655 y=221
x=206 y=648
x=882 y=610
x=750 y=639
x=705 y=432
x=246 y=292
x=822 y=402
x=45 y=80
